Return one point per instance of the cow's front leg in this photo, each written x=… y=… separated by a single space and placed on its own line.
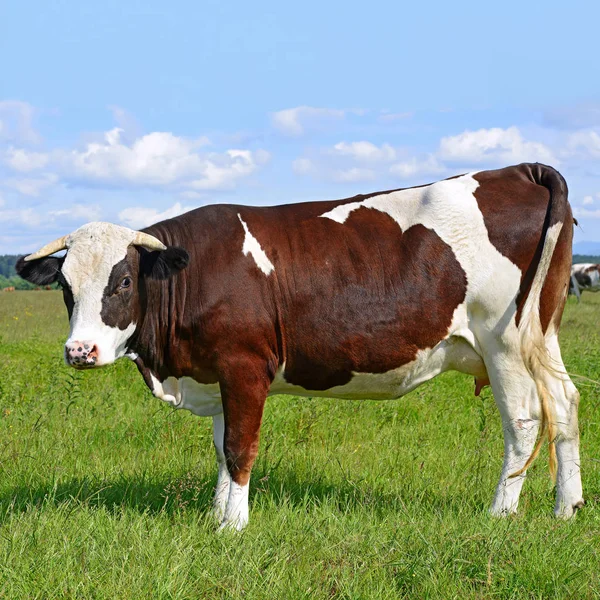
x=224 y=480
x=243 y=395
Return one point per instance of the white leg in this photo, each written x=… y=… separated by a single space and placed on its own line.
x=224 y=479
x=517 y=400
x=569 y=493
x=236 y=513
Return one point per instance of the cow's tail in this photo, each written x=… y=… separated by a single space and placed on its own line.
x=533 y=346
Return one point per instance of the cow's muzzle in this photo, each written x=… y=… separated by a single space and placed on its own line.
x=81 y=355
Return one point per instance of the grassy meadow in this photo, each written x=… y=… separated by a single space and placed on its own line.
x=105 y=492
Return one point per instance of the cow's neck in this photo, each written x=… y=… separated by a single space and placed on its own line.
x=162 y=309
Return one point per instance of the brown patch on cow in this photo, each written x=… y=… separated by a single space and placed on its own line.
x=118 y=310
x=352 y=296
x=515 y=211
x=244 y=388
x=592 y=269
x=556 y=287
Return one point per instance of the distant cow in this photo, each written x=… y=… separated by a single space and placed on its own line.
x=585 y=276
x=10 y=288
x=366 y=297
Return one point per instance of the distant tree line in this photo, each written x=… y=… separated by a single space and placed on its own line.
x=585 y=258
x=7 y=265
x=9 y=277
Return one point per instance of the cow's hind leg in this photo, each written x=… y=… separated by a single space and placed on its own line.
x=569 y=494
x=517 y=400
x=243 y=393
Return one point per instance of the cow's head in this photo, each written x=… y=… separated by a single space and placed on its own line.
x=100 y=276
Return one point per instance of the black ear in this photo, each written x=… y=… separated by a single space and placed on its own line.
x=162 y=264
x=42 y=271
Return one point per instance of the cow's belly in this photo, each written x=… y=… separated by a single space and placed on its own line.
x=452 y=353
x=455 y=353
x=203 y=400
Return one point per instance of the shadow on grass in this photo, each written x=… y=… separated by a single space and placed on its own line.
x=170 y=495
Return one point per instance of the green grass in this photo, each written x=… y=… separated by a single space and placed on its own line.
x=105 y=491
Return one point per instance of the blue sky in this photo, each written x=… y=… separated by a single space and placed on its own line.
x=135 y=111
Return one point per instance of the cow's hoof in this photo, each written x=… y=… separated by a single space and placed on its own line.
x=232 y=526
x=502 y=512
x=565 y=512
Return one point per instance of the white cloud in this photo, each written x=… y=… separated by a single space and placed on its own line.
x=586 y=213
x=347 y=161
x=22 y=160
x=222 y=171
x=158 y=159
x=303 y=166
x=155 y=159
x=125 y=121
x=138 y=217
x=31 y=186
x=27 y=216
x=415 y=166
x=16 y=122
x=365 y=151
x=293 y=121
x=353 y=174
x=585 y=142
x=78 y=212
x=34 y=218
x=321 y=170
x=496 y=145
x=587 y=200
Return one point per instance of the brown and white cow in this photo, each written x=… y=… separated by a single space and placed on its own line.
x=366 y=297
x=585 y=276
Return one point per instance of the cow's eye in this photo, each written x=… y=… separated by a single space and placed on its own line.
x=125 y=283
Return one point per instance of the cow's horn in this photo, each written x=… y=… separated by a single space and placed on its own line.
x=148 y=241
x=48 y=249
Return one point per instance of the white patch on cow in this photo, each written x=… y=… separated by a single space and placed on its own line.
x=450 y=209
x=236 y=512
x=159 y=391
x=224 y=478
x=93 y=251
x=201 y=399
x=251 y=246
x=569 y=493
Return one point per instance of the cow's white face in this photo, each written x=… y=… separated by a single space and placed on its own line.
x=95 y=272
x=100 y=276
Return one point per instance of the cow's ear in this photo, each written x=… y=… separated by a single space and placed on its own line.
x=162 y=264
x=42 y=271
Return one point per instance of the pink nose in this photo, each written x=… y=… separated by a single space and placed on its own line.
x=81 y=354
